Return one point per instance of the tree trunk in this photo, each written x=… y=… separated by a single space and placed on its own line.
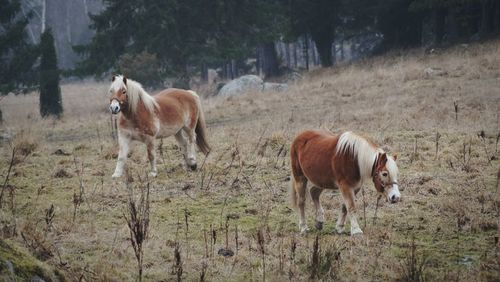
x=324 y=46
x=270 y=60
x=44 y=13
x=334 y=54
x=288 y=58
x=342 y=50
x=295 y=55
x=439 y=15
x=496 y=17
x=487 y=14
x=305 y=50
x=452 y=25
x=204 y=73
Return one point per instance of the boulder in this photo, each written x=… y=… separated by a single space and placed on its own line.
x=431 y=71
x=276 y=87
x=242 y=85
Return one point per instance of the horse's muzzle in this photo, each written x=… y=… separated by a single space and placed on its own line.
x=114 y=107
x=394 y=196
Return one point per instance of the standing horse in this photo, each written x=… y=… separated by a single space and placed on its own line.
x=144 y=118
x=343 y=162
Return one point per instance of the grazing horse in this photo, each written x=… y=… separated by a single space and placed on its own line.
x=144 y=118
x=342 y=162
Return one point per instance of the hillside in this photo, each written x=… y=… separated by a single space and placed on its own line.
x=448 y=218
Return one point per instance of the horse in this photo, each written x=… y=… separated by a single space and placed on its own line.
x=343 y=162
x=144 y=118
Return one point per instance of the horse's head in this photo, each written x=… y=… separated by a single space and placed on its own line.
x=118 y=91
x=385 y=177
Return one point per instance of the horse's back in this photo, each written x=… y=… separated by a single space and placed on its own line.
x=312 y=153
x=177 y=104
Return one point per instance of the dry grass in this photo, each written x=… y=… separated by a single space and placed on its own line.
x=238 y=200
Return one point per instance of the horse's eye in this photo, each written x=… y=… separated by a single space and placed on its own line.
x=124 y=91
x=384 y=174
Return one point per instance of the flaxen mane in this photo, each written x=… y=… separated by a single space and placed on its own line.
x=136 y=93
x=360 y=148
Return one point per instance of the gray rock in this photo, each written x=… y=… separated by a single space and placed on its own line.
x=430 y=72
x=36 y=279
x=276 y=87
x=242 y=85
x=9 y=266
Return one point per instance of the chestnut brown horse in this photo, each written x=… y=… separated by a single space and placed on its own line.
x=144 y=118
x=342 y=162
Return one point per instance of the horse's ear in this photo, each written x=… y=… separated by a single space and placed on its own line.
x=395 y=156
x=383 y=158
x=125 y=80
x=113 y=78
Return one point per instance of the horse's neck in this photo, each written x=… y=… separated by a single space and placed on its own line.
x=139 y=114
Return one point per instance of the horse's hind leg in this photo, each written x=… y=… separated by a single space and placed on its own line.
x=181 y=139
x=300 y=186
x=123 y=142
x=320 y=212
x=191 y=153
x=150 y=144
x=341 y=220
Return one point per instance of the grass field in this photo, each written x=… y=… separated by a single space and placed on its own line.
x=60 y=203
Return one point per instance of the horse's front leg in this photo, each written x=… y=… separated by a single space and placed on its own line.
x=348 y=195
x=124 y=143
x=190 y=149
x=150 y=144
x=320 y=212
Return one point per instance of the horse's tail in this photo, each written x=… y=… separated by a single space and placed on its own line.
x=201 y=129
x=295 y=166
x=293 y=194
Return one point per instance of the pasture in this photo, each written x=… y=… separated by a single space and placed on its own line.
x=61 y=204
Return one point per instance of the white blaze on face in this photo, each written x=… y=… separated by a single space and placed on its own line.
x=393 y=194
x=114 y=107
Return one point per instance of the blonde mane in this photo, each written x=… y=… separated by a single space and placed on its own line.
x=364 y=151
x=135 y=93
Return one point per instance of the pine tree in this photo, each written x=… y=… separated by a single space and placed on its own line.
x=181 y=34
x=50 y=92
x=16 y=55
x=319 y=19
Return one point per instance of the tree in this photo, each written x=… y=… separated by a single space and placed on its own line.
x=50 y=92
x=400 y=25
x=17 y=56
x=319 y=19
x=183 y=34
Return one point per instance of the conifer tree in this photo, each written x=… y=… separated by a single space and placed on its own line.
x=50 y=92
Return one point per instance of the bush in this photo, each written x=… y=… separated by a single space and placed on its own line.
x=143 y=67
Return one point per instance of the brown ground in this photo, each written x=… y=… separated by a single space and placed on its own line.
x=450 y=204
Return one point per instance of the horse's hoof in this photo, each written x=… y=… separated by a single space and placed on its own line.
x=339 y=229
x=319 y=225
x=153 y=174
x=116 y=175
x=356 y=231
x=304 y=230
x=193 y=167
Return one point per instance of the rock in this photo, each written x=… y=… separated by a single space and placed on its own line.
x=6 y=136
x=61 y=152
x=242 y=85
x=9 y=266
x=276 y=87
x=293 y=77
x=36 y=279
x=429 y=72
x=225 y=252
